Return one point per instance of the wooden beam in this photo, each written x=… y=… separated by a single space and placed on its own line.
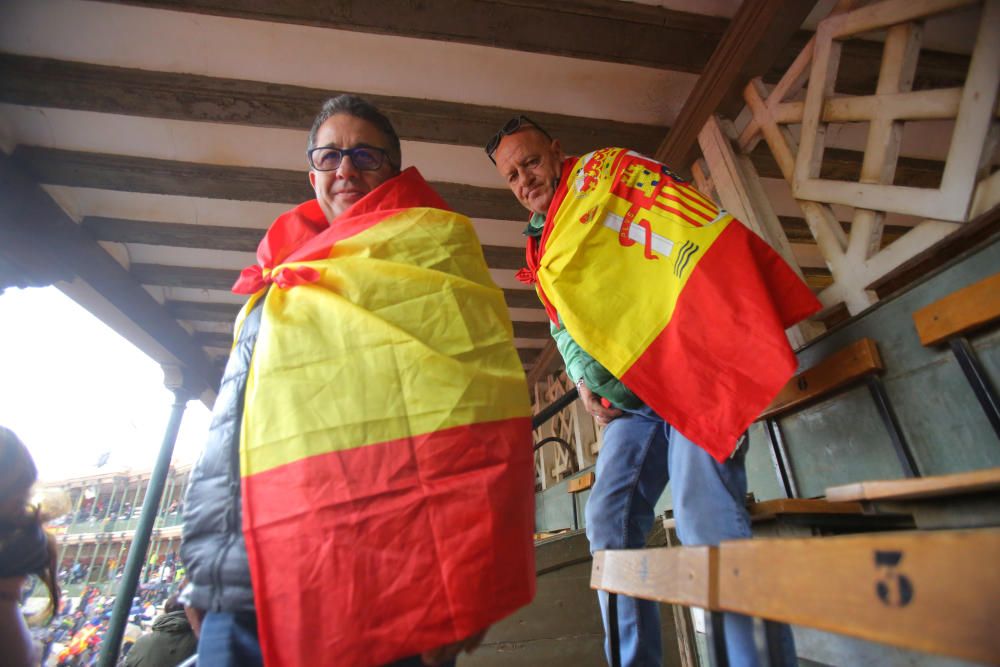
x=184 y=276
x=504 y=257
x=548 y=358
x=798 y=232
x=969 y=236
x=531 y=330
x=605 y=30
x=838 y=370
x=222 y=279
x=941 y=104
x=817 y=278
x=845 y=165
x=222 y=341
x=200 y=311
x=176 y=234
x=521 y=298
x=217 y=237
x=33 y=227
x=959 y=312
x=53 y=166
x=63 y=84
x=859 y=66
x=751 y=43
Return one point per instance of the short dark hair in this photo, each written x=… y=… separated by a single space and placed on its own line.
x=358 y=107
x=172 y=604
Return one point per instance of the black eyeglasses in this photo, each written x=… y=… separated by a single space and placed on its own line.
x=510 y=127
x=363 y=157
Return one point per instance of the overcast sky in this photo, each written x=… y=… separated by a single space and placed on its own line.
x=72 y=389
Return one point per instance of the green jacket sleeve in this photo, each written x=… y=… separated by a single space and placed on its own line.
x=599 y=380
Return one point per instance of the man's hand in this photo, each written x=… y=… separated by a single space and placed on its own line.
x=445 y=653
x=195 y=618
x=592 y=404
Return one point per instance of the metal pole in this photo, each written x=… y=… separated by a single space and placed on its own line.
x=154 y=562
x=171 y=487
x=549 y=411
x=76 y=559
x=614 y=639
x=978 y=380
x=135 y=501
x=89 y=579
x=104 y=563
x=885 y=411
x=779 y=456
x=137 y=554
x=105 y=526
x=76 y=512
x=715 y=637
x=122 y=550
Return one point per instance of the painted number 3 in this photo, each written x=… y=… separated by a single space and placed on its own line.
x=893 y=588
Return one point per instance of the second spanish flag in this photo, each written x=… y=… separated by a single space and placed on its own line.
x=677 y=299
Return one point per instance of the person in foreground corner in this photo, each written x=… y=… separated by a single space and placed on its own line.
x=670 y=316
x=366 y=493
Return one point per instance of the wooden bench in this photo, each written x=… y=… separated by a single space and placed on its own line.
x=935 y=591
x=858 y=362
x=960 y=500
x=950 y=319
x=581 y=483
x=803 y=517
x=574 y=487
x=807 y=517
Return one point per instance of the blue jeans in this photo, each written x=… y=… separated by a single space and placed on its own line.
x=230 y=640
x=641 y=452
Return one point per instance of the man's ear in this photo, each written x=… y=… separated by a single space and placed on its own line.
x=557 y=147
x=312 y=179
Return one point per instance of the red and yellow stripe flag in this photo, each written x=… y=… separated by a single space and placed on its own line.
x=677 y=299
x=388 y=480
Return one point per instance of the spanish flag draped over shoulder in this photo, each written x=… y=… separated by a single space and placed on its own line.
x=677 y=299
x=387 y=472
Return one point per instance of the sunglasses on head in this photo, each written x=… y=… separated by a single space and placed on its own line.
x=510 y=127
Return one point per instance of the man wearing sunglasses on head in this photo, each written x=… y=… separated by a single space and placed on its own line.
x=364 y=496
x=663 y=309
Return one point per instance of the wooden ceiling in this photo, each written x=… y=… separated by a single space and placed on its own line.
x=147 y=144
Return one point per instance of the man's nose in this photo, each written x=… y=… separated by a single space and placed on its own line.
x=347 y=168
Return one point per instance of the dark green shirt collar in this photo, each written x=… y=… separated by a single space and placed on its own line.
x=535 y=225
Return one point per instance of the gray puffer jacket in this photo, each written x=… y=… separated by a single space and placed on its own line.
x=212 y=545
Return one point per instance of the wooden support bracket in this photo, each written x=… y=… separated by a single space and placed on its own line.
x=676 y=575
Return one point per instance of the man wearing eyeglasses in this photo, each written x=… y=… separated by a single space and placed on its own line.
x=365 y=491
x=349 y=156
x=617 y=245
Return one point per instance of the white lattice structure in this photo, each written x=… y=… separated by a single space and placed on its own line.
x=795 y=126
x=553 y=461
